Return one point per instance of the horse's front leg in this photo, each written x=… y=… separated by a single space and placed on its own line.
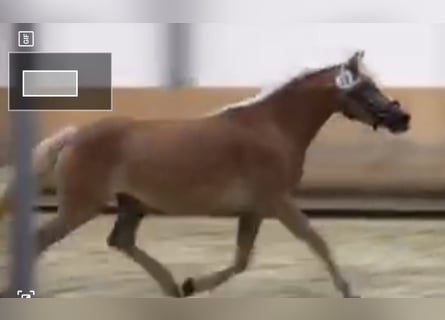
x=298 y=224
x=248 y=227
x=123 y=238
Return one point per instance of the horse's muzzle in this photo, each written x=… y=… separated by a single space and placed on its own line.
x=397 y=120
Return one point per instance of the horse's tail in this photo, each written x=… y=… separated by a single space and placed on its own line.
x=44 y=159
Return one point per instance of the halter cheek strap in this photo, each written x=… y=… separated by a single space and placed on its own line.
x=345 y=79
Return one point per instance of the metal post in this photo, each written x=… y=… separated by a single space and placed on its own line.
x=22 y=233
x=179 y=54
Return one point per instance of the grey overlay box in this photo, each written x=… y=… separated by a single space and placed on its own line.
x=50 y=83
x=40 y=81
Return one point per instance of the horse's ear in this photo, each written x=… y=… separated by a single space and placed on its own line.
x=360 y=54
x=355 y=60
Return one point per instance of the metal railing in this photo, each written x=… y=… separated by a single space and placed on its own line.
x=22 y=133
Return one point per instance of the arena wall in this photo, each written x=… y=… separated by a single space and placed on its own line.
x=345 y=157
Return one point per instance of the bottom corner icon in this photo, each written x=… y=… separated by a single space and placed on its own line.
x=26 y=295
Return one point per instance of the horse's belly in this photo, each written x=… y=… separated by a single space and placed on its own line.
x=224 y=199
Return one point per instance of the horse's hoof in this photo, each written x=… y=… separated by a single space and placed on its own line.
x=188 y=287
x=346 y=291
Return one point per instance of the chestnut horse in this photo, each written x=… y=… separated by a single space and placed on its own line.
x=245 y=159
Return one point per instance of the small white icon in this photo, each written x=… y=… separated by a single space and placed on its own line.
x=26 y=39
x=26 y=295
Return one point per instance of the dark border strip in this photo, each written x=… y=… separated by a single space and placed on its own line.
x=312 y=213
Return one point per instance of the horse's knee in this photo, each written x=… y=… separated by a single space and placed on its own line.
x=123 y=235
x=114 y=241
x=241 y=266
x=122 y=239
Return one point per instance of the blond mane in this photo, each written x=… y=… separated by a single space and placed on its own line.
x=267 y=91
x=264 y=93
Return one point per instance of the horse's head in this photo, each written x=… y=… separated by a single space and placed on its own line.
x=362 y=100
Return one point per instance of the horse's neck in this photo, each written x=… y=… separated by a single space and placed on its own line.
x=301 y=117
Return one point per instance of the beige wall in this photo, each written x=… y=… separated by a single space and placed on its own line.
x=345 y=156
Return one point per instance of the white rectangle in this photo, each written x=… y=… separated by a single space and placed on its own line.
x=50 y=83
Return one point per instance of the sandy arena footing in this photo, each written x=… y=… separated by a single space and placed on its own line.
x=382 y=258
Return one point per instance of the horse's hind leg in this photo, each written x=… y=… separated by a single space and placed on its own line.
x=72 y=213
x=48 y=234
x=248 y=227
x=123 y=236
x=58 y=228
